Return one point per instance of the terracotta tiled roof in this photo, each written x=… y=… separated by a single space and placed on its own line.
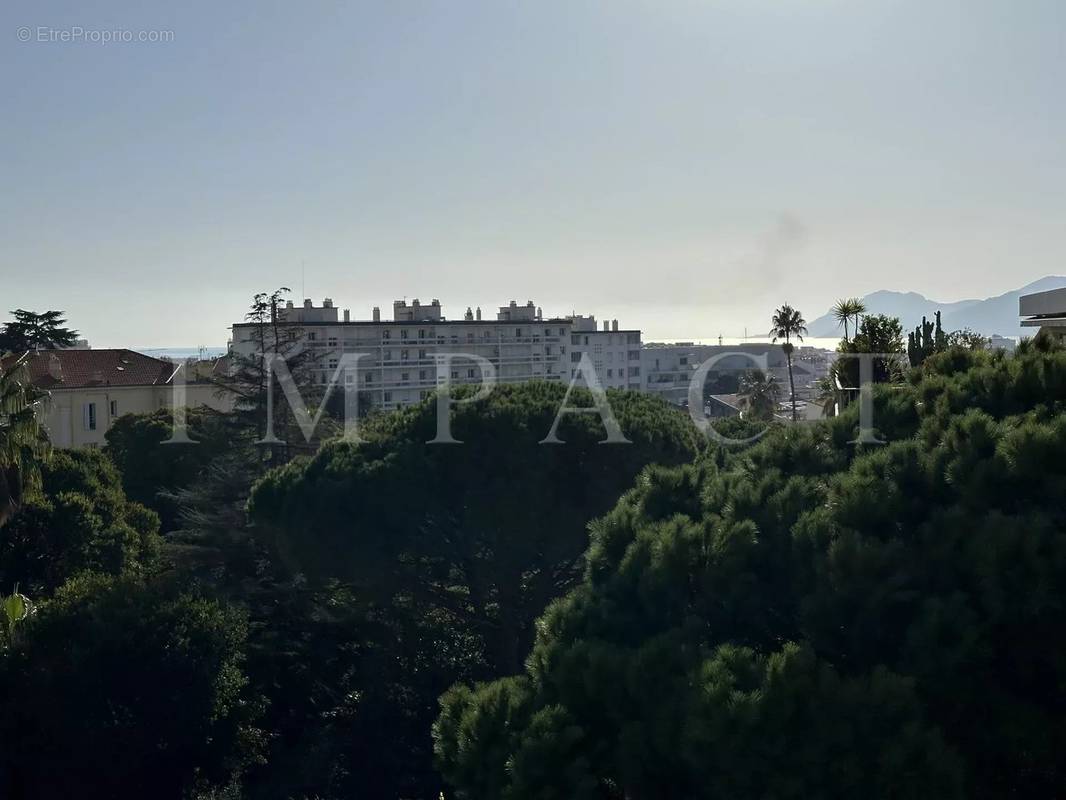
x=75 y=369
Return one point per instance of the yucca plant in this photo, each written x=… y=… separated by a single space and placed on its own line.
x=23 y=443
x=847 y=309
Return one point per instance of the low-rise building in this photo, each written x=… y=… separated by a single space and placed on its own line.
x=669 y=368
x=1006 y=343
x=89 y=389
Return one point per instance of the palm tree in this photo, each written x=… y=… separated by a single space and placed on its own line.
x=788 y=324
x=22 y=441
x=841 y=312
x=858 y=308
x=758 y=394
x=845 y=309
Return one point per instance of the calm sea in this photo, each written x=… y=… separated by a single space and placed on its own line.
x=181 y=353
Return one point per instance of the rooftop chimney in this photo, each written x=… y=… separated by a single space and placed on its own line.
x=377 y=314
x=614 y=324
x=327 y=303
x=469 y=315
x=478 y=314
x=606 y=325
x=347 y=315
x=308 y=303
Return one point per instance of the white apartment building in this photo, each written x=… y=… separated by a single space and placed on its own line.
x=615 y=353
x=402 y=354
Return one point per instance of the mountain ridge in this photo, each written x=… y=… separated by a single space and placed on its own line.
x=987 y=316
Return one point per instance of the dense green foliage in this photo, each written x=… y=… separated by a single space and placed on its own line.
x=151 y=471
x=80 y=520
x=793 y=619
x=488 y=531
x=454 y=551
x=116 y=690
x=799 y=620
x=351 y=694
x=22 y=442
x=116 y=685
x=876 y=333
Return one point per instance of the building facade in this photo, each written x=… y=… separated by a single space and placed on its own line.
x=668 y=369
x=1044 y=312
x=89 y=389
x=401 y=356
x=614 y=353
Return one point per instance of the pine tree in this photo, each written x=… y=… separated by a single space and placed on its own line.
x=32 y=331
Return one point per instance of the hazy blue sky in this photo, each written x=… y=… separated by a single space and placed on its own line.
x=682 y=166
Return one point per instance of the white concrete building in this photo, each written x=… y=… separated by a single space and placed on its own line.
x=402 y=353
x=615 y=353
x=1044 y=312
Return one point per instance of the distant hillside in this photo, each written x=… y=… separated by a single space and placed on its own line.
x=992 y=315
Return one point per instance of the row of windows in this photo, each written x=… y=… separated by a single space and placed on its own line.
x=614 y=338
x=333 y=363
x=425 y=355
x=405 y=377
x=634 y=372
x=622 y=372
x=431 y=335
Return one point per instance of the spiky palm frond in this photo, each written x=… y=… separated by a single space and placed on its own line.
x=759 y=394
x=788 y=323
